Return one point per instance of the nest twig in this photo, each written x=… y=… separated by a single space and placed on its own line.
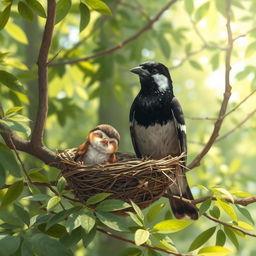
x=141 y=180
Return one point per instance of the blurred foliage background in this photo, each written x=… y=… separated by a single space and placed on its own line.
x=189 y=38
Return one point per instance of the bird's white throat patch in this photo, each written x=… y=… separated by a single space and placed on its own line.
x=161 y=81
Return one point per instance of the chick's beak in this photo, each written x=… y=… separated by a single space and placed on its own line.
x=140 y=71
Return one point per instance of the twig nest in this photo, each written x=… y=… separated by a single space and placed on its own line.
x=141 y=180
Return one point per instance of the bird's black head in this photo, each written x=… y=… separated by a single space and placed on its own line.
x=154 y=76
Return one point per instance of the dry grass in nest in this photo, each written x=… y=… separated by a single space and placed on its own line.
x=141 y=180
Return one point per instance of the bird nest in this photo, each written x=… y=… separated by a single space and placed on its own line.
x=141 y=180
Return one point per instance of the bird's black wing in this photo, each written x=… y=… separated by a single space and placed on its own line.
x=178 y=118
x=132 y=130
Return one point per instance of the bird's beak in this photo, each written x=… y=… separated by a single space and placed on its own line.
x=140 y=71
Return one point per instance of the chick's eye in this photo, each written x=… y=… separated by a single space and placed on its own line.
x=154 y=71
x=112 y=142
x=99 y=135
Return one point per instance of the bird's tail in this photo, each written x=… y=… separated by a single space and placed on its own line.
x=180 y=188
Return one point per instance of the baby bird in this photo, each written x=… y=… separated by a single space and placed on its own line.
x=100 y=147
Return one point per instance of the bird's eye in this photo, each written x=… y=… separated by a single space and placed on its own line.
x=98 y=134
x=154 y=71
x=112 y=142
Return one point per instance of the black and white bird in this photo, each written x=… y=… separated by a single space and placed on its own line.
x=158 y=129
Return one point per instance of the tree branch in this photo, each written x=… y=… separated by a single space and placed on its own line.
x=37 y=134
x=237 y=126
x=143 y=245
x=123 y=43
x=241 y=201
x=35 y=147
x=228 y=225
x=228 y=113
x=227 y=93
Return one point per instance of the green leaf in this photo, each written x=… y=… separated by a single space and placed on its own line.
x=232 y=236
x=53 y=202
x=244 y=225
x=9 y=244
x=154 y=211
x=171 y=226
x=13 y=192
x=202 y=11
x=98 y=6
x=9 y=80
x=88 y=238
x=45 y=245
x=62 y=183
x=205 y=206
x=112 y=221
x=202 y=238
x=164 y=45
x=60 y=216
x=224 y=192
x=8 y=160
x=189 y=6
x=22 y=214
x=73 y=222
x=215 y=212
x=37 y=197
x=37 y=7
x=97 y=198
x=70 y=240
x=87 y=221
x=245 y=212
x=19 y=118
x=16 y=126
x=62 y=9
x=195 y=65
x=26 y=248
x=214 y=251
x=13 y=110
x=227 y=208
x=25 y=11
x=84 y=16
x=56 y=230
x=250 y=50
x=110 y=205
x=137 y=210
x=202 y=187
x=215 y=61
x=164 y=242
x=220 y=238
x=4 y=16
x=38 y=177
x=141 y=236
x=135 y=218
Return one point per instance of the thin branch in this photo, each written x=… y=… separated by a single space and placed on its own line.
x=201 y=37
x=37 y=134
x=227 y=93
x=123 y=43
x=143 y=245
x=239 y=104
x=244 y=34
x=237 y=126
x=42 y=153
x=190 y=54
x=241 y=201
x=136 y=9
x=228 y=225
x=228 y=113
x=20 y=161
